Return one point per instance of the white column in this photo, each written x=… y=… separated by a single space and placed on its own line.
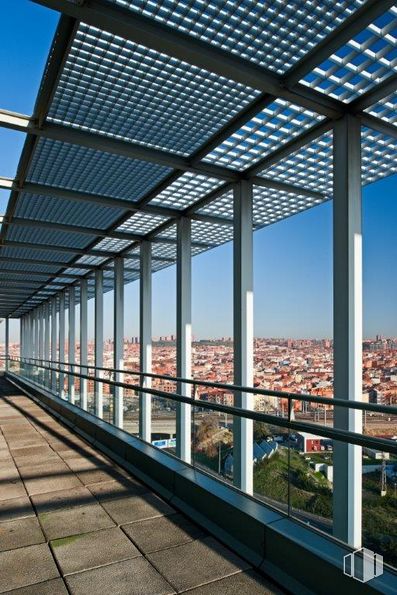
x=118 y=339
x=145 y=331
x=46 y=341
x=184 y=336
x=54 y=337
x=41 y=333
x=83 y=343
x=347 y=459
x=7 y=342
x=72 y=342
x=99 y=341
x=36 y=334
x=61 y=343
x=243 y=325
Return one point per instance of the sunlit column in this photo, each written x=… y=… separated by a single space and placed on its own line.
x=83 y=342
x=145 y=326
x=72 y=342
x=243 y=325
x=61 y=344
x=36 y=333
x=118 y=339
x=7 y=342
x=347 y=459
x=184 y=336
x=47 y=340
x=41 y=333
x=99 y=341
x=54 y=337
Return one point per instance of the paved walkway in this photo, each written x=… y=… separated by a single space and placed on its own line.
x=71 y=521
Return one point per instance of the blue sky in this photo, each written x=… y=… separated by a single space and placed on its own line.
x=293 y=259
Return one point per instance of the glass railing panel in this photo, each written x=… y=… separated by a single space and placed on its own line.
x=164 y=413
x=212 y=442
x=131 y=411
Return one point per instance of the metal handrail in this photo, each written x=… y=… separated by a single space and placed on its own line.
x=324 y=431
x=337 y=402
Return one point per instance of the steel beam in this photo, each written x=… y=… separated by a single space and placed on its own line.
x=346 y=31
x=348 y=333
x=243 y=342
x=83 y=343
x=99 y=341
x=145 y=332
x=72 y=342
x=184 y=336
x=168 y=40
x=118 y=339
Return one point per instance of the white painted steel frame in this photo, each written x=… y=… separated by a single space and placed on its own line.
x=118 y=340
x=99 y=341
x=72 y=342
x=243 y=340
x=348 y=330
x=184 y=336
x=83 y=343
x=145 y=331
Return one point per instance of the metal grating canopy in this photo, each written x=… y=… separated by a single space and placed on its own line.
x=152 y=110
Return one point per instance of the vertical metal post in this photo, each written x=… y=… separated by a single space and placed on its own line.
x=36 y=333
x=47 y=342
x=61 y=344
x=118 y=339
x=54 y=338
x=184 y=335
x=7 y=342
x=41 y=333
x=145 y=331
x=347 y=459
x=72 y=342
x=243 y=325
x=99 y=341
x=83 y=342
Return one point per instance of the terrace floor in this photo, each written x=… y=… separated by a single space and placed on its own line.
x=71 y=521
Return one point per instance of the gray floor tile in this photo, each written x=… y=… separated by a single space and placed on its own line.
x=63 y=499
x=55 y=586
x=243 y=583
x=162 y=532
x=136 y=508
x=114 y=490
x=90 y=550
x=12 y=489
x=20 y=533
x=209 y=559
x=131 y=577
x=74 y=521
x=26 y=566
x=15 y=508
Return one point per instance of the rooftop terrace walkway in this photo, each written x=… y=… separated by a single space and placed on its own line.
x=71 y=521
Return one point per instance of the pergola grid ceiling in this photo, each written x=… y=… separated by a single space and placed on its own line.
x=112 y=88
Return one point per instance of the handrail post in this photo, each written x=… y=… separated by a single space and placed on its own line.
x=72 y=342
x=7 y=343
x=53 y=342
x=61 y=344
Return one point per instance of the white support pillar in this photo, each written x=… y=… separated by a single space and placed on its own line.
x=61 y=343
x=47 y=341
x=348 y=334
x=72 y=342
x=83 y=343
x=36 y=333
x=41 y=333
x=145 y=331
x=54 y=338
x=184 y=336
x=99 y=341
x=243 y=325
x=7 y=343
x=118 y=339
